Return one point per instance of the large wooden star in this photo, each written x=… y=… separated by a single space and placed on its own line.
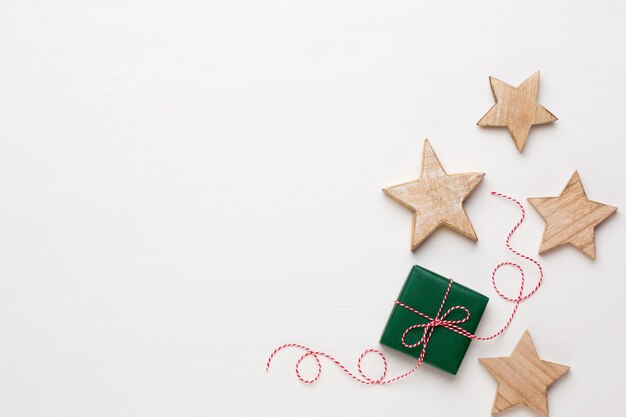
x=516 y=108
x=571 y=218
x=523 y=378
x=436 y=198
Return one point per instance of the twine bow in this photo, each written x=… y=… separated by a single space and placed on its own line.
x=438 y=321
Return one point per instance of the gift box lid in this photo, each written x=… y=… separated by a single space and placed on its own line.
x=424 y=290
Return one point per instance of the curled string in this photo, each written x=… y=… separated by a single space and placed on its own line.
x=433 y=322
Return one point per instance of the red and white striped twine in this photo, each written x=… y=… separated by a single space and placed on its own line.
x=433 y=322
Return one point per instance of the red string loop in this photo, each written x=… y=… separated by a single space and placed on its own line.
x=433 y=322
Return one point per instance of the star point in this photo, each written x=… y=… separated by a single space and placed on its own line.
x=516 y=108
x=571 y=218
x=523 y=378
x=436 y=198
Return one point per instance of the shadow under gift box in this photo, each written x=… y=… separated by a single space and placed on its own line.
x=424 y=291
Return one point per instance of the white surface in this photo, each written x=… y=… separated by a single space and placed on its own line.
x=186 y=185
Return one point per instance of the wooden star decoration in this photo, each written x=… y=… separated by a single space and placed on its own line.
x=436 y=198
x=516 y=108
x=523 y=378
x=571 y=218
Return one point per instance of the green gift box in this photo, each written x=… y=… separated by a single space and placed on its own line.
x=424 y=291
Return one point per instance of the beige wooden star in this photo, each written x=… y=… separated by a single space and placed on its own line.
x=571 y=218
x=516 y=108
x=436 y=198
x=523 y=378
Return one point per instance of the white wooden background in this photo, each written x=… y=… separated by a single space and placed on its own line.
x=185 y=185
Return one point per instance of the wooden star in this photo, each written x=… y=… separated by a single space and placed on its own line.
x=436 y=198
x=523 y=378
x=516 y=108
x=571 y=218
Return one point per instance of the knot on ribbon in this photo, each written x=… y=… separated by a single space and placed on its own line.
x=433 y=322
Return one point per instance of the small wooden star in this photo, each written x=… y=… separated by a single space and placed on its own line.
x=571 y=218
x=523 y=378
x=516 y=108
x=436 y=198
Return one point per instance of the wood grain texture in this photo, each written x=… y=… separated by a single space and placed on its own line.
x=436 y=198
x=523 y=378
x=516 y=109
x=571 y=218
